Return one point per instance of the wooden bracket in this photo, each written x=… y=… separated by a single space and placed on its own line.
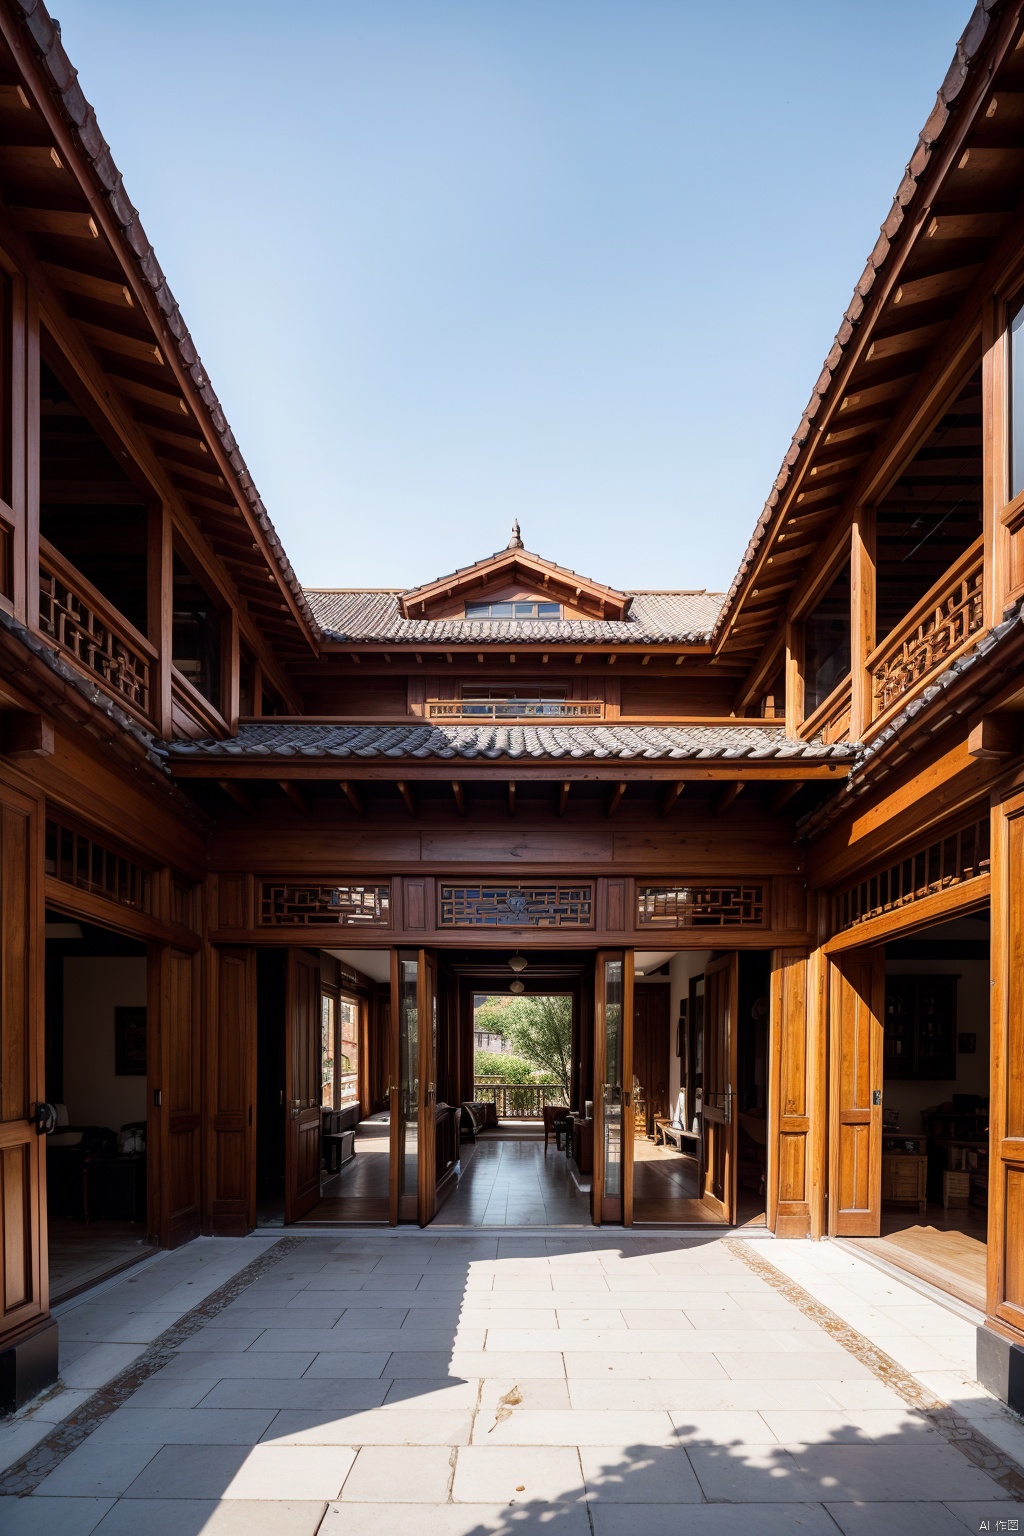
x=460 y=798
x=25 y=733
x=407 y=797
x=352 y=795
x=996 y=737
x=295 y=795
x=671 y=795
x=728 y=795
x=615 y=797
x=563 y=795
x=238 y=795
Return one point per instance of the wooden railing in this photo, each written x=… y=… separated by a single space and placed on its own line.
x=931 y=634
x=515 y=709
x=88 y=628
x=518 y=1101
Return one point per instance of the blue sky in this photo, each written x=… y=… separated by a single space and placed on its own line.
x=454 y=261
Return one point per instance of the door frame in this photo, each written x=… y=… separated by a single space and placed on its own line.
x=597 y=1204
x=722 y=1117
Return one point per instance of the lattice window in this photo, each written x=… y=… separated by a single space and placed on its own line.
x=320 y=906
x=951 y=860
x=543 y=905
x=73 y=623
x=80 y=860
x=700 y=906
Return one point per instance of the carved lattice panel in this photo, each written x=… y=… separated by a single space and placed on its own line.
x=700 y=906
x=284 y=905
x=547 y=904
x=951 y=860
x=82 y=861
x=92 y=640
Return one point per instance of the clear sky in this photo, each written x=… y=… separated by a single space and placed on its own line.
x=454 y=261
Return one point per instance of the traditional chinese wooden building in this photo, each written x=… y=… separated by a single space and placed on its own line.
x=247 y=827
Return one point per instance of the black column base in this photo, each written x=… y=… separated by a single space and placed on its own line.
x=1001 y=1367
x=28 y=1367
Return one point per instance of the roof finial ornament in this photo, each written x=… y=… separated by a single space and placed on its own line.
x=515 y=542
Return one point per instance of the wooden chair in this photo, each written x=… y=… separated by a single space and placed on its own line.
x=553 y=1112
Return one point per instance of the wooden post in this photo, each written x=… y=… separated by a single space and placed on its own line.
x=995 y=461
x=794 y=679
x=160 y=603
x=1005 y=1288
x=862 y=619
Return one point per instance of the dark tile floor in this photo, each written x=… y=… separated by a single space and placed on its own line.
x=514 y=1183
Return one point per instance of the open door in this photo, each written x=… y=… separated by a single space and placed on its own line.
x=413 y=1187
x=721 y=1006
x=612 y=1188
x=856 y=1003
x=302 y=1084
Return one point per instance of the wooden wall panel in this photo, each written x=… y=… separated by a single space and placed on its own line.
x=856 y=1000
x=790 y=1144
x=23 y=1271
x=230 y=1073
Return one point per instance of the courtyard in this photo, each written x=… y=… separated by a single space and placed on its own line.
x=457 y=1383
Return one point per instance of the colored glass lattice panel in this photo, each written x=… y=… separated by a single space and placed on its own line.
x=546 y=905
x=342 y=906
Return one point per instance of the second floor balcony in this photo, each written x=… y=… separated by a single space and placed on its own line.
x=515 y=709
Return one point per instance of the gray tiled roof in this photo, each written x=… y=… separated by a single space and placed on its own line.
x=681 y=618
x=293 y=738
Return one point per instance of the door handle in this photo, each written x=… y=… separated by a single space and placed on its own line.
x=876 y=1096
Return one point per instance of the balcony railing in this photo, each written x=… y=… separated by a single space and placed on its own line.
x=515 y=709
x=518 y=1101
x=81 y=621
x=931 y=634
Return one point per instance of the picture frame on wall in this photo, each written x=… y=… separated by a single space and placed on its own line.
x=130 y=1042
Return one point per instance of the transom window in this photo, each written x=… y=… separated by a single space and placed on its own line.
x=547 y=691
x=514 y=610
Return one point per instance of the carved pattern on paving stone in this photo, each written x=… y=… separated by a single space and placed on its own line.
x=25 y=1475
x=937 y=1414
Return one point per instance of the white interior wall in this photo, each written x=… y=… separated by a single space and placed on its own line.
x=681 y=968
x=972 y=1016
x=93 y=988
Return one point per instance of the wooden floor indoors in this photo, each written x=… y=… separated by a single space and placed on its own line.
x=83 y=1253
x=945 y=1248
x=359 y=1193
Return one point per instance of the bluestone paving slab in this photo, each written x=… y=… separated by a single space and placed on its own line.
x=51 y=1517
x=96 y=1470
x=209 y=1517
x=411 y=1426
x=614 y=1474
x=783 y=1519
x=399 y=1474
x=352 y=1519
x=903 y=1519
x=506 y=1474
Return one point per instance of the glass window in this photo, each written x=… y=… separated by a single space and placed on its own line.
x=827 y=643
x=526 y=609
x=327 y=1021
x=1017 y=403
x=348 y=1052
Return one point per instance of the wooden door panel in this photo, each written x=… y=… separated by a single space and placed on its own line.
x=231 y=1072
x=23 y=1271
x=175 y=1119
x=856 y=997
x=651 y=1049
x=612 y=1178
x=721 y=1004
x=302 y=1084
x=428 y=1023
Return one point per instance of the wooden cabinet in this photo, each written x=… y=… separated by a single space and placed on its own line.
x=920 y=1027
x=905 y=1171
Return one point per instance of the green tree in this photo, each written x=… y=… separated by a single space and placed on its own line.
x=490 y=1067
x=540 y=1028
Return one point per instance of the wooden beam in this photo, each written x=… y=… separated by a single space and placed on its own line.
x=671 y=795
x=13 y=98
x=295 y=795
x=616 y=797
x=460 y=798
x=995 y=737
x=238 y=795
x=54 y=221
x=784 y=794
x=24 y=733
x=141 y=352
x=563 y=795
x=511 y=797
x=87 y=287
x=352 y=795
x=407 y=797
x=728 y=795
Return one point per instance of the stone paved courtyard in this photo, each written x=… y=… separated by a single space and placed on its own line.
x=455 y=1385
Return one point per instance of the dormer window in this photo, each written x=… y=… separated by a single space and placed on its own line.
x=514 y=610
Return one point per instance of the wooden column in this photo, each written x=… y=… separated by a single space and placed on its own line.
x=794 y=678
x=1005 y=1299
x=995 y=461
x=160 y=573
x=862 y=619
x=791 y=1094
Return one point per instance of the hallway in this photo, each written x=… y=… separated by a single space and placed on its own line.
x=512 y=1182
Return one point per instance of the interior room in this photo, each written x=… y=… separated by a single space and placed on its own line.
x=96 y=1060
x=670 y=1155
x=935 y=1106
